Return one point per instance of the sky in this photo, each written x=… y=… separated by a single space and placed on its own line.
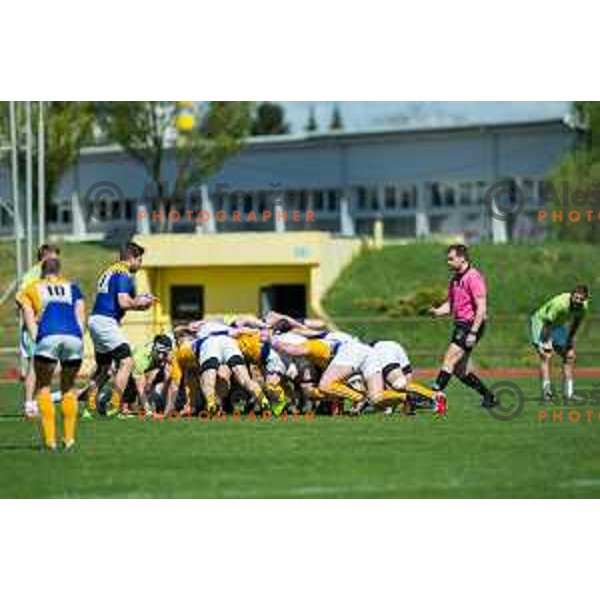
x=364 y=115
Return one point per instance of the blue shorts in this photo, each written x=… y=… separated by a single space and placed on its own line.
x=558 y=334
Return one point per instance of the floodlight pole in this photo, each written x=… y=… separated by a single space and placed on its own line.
x=29 y=180
x=15 y=191
x=41 y=176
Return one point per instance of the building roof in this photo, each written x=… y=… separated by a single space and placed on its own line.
x=372 y=134
x=299 y=248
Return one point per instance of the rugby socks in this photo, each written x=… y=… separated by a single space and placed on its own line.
x=115 y=399
x=341 y=390
x=69 y=410
x=421 y=390
x=278 y=393
x=47 y=418
x=394 y=395
x=471 y=380
x=92 y=397
x=442 y=380
x=211 y=403
x=546 y=388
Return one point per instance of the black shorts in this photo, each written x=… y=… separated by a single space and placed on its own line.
x=461 y=331
x=105 y=359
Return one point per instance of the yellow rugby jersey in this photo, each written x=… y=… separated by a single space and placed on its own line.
x=34 y=274
x=53 y=301
x=319 y=352
x=184 y=354
x=250 y=346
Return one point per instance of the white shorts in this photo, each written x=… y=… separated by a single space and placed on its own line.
x=391 y=353
x=63 y=348
x=106 y=334
x=274 y=364
x=360 y=357
x=220 y=347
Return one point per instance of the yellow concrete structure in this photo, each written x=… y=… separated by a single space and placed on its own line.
x=233 y=269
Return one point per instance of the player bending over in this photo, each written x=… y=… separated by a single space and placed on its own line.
x=397 y=374
x=256 y=347
x=553 y=327
x=151 y=372
x=214 y=347
x=54 y=314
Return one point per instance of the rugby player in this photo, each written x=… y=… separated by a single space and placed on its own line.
x=26 y=344
x=467 y=304
x=150 y=372
x=54 y=313
x=397 y=374
x=214 y=347
x=553 y=327
x=338 y=356
x=185 y=371
x=115 y=295
x=256 y=347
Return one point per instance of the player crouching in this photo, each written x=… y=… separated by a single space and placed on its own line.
x=150 y=375
x=214 y=348
x=398 y=376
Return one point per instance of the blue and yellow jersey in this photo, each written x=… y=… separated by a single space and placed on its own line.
x=53 y=301
x=115 y=280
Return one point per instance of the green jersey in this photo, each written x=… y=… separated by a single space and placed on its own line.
x=558 y=310
x=143 y=361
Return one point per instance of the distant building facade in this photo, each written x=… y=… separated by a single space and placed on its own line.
x=418 y=182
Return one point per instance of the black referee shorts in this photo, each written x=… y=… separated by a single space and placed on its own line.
x=461 y=331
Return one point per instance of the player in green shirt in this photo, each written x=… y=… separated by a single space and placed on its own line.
x=150 y=365
x=553 y=328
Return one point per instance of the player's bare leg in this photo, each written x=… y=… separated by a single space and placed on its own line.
x=332 y=383
x=89 y=393
x=120 y=381
x=31 y=407
x=242 y=376
x=171 y=389
x=208 y=383
x=223 y=385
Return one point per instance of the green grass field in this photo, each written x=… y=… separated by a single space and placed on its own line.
x=469 y=455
